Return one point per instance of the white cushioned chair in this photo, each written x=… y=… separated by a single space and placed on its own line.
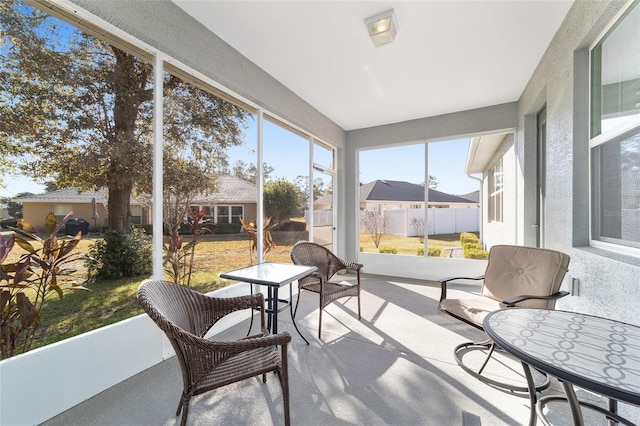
x=515 y=276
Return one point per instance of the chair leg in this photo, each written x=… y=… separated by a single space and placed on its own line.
x=184 y=407
x=284 y=383
x=491 y=346
x=320 y=320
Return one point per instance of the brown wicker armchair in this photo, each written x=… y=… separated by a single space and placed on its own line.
x=328 y=264
x=186 y=316
x=516 y=276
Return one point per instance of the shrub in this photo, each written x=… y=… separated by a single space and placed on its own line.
x=434 y=251
x=388 y=249
x=291 y=226
x=120 y=254
x=224 y=228
x=431 y=251
x=475 y=253
x=148 y=229
x=468 y=237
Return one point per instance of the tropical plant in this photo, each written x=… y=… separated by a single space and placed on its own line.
x=251 y=229
x=179 y=257
x=38 y=274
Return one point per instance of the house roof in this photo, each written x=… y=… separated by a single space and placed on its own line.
x=472 y=196
x=393 y=190
x=230 y=189
x=66 y=195
x=481 y=151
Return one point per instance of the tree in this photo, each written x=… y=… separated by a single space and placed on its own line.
x=433 y=182
x=79 y=111
x=281 y=200
x=375 y=223
x=14 y=208
x=249 y=172
x=302 y=183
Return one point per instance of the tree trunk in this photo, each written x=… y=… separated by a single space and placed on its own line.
x=120 y=208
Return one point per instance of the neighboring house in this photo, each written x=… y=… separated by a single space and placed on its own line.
x=493 y=157
x=398 y=195
x=234 y=198
x=88 y=205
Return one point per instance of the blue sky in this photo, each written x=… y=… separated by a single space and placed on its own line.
x=287 y=153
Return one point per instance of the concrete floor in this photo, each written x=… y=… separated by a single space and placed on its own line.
x=394 y=367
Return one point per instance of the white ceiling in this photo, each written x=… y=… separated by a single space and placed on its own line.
x=448 y=55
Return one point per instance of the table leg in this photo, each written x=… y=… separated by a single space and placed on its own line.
x=576 y=412
x=533 y=416
x=269 y=307
x=293 y=320
x=274 y=312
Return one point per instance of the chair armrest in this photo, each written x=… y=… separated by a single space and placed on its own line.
x=352 y=266
x=444 y=281
x=242 y=345
x=512 y=301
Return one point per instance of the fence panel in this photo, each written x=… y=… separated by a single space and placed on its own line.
x=410 y=222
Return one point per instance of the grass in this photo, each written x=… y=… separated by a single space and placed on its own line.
x=409 y=245
x=111 y=301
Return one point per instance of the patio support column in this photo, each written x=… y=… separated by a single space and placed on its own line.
x=260 y=185
x=157 y=165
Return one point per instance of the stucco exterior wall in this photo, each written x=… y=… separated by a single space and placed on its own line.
x=607 y=280
x=35 y=214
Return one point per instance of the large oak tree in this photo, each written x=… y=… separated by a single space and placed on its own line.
x=78 y=111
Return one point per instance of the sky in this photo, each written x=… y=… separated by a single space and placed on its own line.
x=287 y=153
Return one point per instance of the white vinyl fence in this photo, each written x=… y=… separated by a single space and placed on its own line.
x=410 y=222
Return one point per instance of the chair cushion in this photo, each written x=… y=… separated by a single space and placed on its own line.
x=471 y=309
x=515 y=270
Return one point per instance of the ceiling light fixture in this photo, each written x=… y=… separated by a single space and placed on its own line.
x=382 y=27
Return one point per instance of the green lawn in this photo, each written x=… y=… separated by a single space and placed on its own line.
x=109 y=302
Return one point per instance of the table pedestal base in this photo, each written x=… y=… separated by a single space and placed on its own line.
x=538 y=404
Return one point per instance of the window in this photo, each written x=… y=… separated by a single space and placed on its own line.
x=495 y=192
x=136 y=215
x=229 y=214
x=615 y=133
x=61 y=210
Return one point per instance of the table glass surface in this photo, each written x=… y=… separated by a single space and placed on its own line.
x=597 y=353
x=268 y=273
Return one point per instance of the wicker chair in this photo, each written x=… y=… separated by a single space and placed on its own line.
x=515 y=276
x=328 y=264
x=186 y=316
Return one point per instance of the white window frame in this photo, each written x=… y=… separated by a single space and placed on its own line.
x=496 y=193
x=626 y=126
x=229 y=214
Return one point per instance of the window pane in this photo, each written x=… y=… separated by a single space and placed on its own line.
x=615 y=75
x=323 y=156
x=223 y=214
x=616 y=184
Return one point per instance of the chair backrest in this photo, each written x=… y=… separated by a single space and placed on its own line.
x=517 y=270
x=174 y=308
x=312 y=254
